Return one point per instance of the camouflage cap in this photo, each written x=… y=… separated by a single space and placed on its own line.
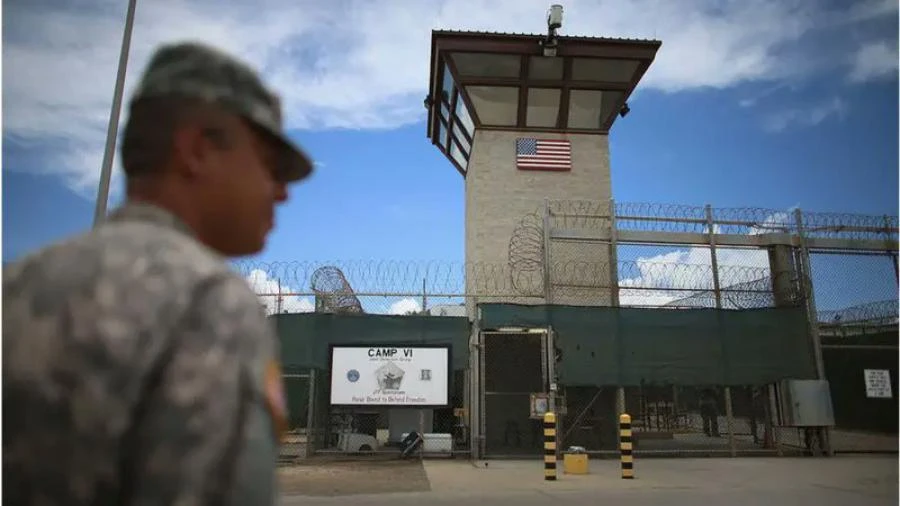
x=195 y=70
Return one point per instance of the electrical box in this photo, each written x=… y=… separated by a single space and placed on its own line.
x=805 y=403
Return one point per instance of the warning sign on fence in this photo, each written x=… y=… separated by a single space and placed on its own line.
x=878 y=383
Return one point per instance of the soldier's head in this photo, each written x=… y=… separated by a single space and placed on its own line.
x=204 y=139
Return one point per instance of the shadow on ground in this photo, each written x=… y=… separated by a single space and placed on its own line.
x=324 y=476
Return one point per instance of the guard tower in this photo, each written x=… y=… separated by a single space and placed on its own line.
x=525 y=118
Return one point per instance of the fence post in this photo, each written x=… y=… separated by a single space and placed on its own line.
x=717 y=291
x=548 y=289
x=614 y=288
x=806 y=284
x=892 y=254
x=422 y=433
x=481 y=441
x=551 y=375
x=613 y=256
x=311 y=430
x=475 y=395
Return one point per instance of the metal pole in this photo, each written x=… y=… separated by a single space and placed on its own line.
x=554 y=387
x=613 y=256
x=806 y=270
x=112 y=129
x=424 y=298
x=311 y=415
x=482 y=398
x=474 y=398
x=729 y=409
x=422 y=433
x=614 y=292
x=548 y=290
x=807 y=287
x=891 y=253
x=280 y=301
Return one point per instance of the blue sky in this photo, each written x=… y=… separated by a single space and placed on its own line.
x=759 y=104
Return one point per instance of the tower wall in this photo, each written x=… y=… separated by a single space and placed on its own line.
x=499 y=196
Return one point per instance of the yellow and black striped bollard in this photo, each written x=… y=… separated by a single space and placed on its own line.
x=625 y=446
x=550 y=446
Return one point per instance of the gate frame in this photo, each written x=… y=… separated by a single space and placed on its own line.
x=310 y=376
x=478 y=416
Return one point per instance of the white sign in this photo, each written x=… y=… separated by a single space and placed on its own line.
x=878 y=383
x=390 y=376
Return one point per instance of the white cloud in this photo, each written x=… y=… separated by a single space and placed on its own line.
x=805 y=116
x=781 y=222
x=360 y=64
x=692 y=267
x=404 y=306
x=875 y=60
x=672 y=270
x=268 y=290
x=754 y=99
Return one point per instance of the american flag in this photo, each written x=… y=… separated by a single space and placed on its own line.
x=543 y=154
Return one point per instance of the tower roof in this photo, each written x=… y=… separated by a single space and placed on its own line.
x=528 y=82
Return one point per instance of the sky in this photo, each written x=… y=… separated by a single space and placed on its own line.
x=767 y=104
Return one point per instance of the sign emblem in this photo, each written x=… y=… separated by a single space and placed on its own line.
x=353 y=375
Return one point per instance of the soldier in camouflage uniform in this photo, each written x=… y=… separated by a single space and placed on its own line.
x=138 y=367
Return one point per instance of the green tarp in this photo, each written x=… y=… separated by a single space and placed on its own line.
x=630 y=346
x=306 y=337
x=601 y=346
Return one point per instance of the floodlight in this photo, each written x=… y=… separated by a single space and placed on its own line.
x=554 y=16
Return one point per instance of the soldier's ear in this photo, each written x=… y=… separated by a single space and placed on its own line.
x=194 y=151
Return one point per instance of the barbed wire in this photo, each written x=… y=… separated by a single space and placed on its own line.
x=878 y=312
x=333 y=293
x=351 y=286
x=753 y=294
x=526 y=253
x=662 y=217
x=374 y=286
x=850 y=226
x=337 y=280
x=580 y=214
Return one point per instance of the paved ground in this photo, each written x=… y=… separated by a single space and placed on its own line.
x=341 y=476
x=838 y=481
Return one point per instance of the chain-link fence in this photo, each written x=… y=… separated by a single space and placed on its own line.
x=856 y=298
x=840 y=268
x=366 y=431
x=676 y=420
x=299 y=388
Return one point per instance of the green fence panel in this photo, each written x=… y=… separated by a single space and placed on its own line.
x=629 y=346
x=767 y=345
x=306 y=337
x=670 y=346
x=846 y=359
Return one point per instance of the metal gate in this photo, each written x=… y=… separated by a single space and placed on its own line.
x=514 y=364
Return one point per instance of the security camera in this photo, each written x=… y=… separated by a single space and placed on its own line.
x=624 y=110
x=554 y=16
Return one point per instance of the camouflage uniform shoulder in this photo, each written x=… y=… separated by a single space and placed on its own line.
x=136 y=274
x=89 y=322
